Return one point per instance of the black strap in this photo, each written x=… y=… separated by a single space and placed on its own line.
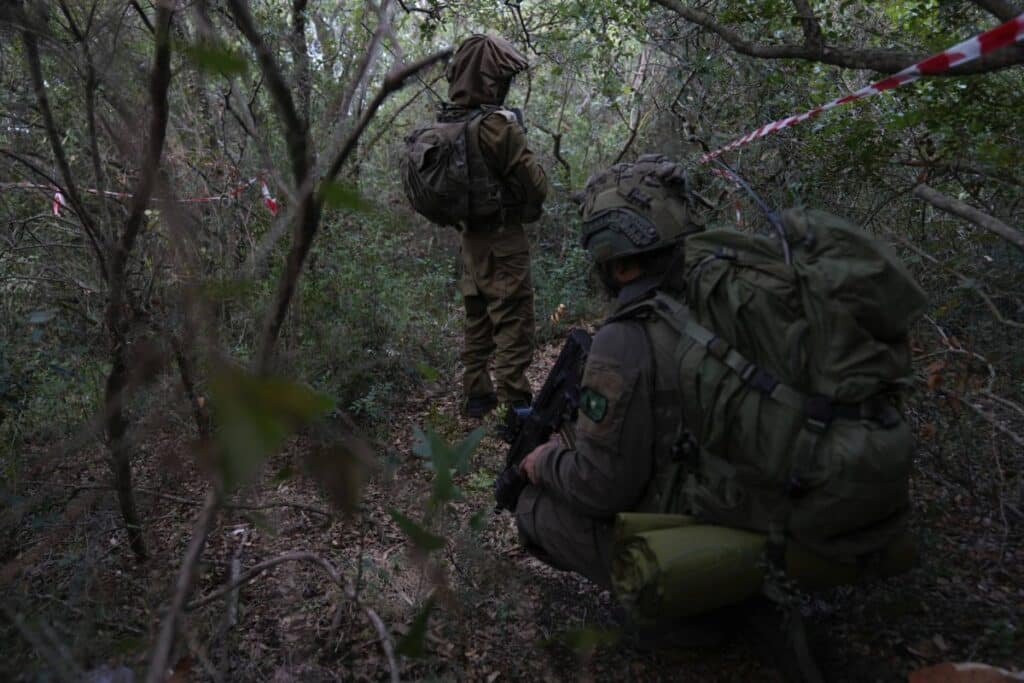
x=773 y=216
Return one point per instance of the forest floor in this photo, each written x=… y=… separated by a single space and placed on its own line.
x=75 y=601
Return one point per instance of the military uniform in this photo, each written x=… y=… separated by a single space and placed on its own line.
x=622 y=459
x=495 y=258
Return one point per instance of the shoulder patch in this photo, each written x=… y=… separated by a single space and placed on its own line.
x=593 y=404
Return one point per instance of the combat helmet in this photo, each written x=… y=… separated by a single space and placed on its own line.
x=633 y=208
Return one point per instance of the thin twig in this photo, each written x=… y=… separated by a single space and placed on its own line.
x=964 y=280
x=385 y=643
x=179 y=499
x=347 y=588
x=183 y=586
x=61 y=665
x=991 y=419
x=969 y=213
x=258 y=569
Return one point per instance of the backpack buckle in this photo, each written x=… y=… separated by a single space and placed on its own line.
x=759 y=379
x=717 y=347
x=796 y=487
x=686 y=451
x=819 y=412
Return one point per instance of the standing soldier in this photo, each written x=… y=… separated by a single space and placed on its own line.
x=495 y=282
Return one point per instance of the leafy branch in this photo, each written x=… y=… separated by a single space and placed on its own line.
x=814 y=48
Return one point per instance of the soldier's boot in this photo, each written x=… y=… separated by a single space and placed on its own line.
x=477 y=407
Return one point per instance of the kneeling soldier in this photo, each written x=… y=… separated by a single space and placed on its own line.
x=635 y=217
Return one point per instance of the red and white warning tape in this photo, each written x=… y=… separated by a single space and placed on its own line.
x=961 y=53
x=268 y=201
x=60 y=202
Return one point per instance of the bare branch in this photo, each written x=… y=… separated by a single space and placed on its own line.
x=63 y=666
x=294 y=128
x=964 y=280
x=809 y=22
x=1004 y=10
x=991 y=419
x=300 y=56
x=142 y=15
x=387 y=126
x=183 y=586
x=347 y=588
x=393 y=82
x=43 y=102
x=960 y=166
x=556 y=140
x=385 y=642
x=969 y=213
x=876 y=59
x=310 y=208
x=117 y=380
x=258 y=569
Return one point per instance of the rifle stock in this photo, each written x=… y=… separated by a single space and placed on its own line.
x=555 y=406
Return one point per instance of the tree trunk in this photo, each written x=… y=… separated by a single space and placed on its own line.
x=120 y=457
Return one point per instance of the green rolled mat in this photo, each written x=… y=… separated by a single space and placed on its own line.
x=687 y=570
x=629 y=524
x=664 y=572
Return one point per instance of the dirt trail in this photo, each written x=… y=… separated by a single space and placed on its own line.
x=499 y=614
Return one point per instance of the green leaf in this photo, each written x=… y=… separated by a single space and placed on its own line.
x=339 y=196
x=462 y=452
x=479 y=520
x=411 y=644
x=421 y=538
x=445 y=460
x=255 y=415
x=585 y=640
x=284 y=474
x=428 y=373
x=431 y=447
x=217 y=59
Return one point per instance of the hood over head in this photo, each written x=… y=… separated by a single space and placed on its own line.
x=481 y=70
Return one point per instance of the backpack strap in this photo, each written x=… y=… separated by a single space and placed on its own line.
x=477 y=164
x=818 y=412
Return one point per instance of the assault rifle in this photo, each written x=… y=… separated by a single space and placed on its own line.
x=556 y=406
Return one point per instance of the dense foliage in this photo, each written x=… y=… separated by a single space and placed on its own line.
x=162 y=284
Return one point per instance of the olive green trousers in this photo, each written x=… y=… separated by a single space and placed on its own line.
x=498 y=296
x=562 y=537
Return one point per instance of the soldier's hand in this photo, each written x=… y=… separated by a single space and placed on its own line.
x=529 y=464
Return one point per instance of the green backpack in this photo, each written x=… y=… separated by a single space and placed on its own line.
x=445 y=176
x=788 y=374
